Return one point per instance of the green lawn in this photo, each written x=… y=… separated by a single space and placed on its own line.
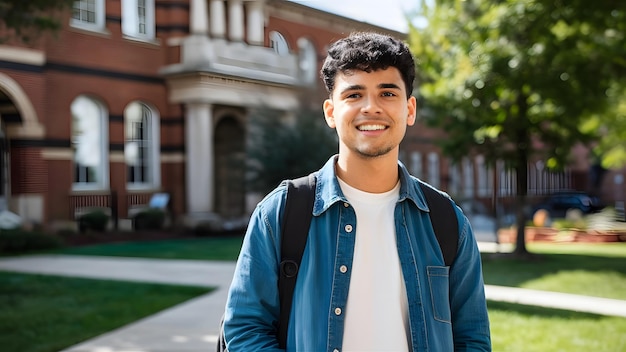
x=518 y=328
x=48 y=313
x=588 y=269
x=212 y=248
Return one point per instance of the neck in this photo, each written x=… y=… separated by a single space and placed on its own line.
x=372 y=175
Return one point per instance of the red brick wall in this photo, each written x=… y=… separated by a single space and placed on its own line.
x=60 y=181
x=28 y=171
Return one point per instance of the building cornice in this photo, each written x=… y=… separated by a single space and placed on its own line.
x=294 y=12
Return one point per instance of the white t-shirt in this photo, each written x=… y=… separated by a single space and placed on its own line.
x=376 y=314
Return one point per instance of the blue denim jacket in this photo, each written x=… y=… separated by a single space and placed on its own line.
x=447 y=309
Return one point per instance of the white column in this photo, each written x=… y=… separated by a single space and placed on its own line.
x=256 y=25
x=199 y=17
x=218 y=19
x=235 y=20
x=199 y=157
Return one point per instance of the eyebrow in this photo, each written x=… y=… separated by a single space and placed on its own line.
x=361 y=87
x=388 y=85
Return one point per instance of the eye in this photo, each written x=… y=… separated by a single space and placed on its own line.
x=353 y=96
x=388 y=94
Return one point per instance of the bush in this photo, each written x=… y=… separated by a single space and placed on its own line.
x=150 y=219
x=19 y=241
x=96 y=220
x=567 y=224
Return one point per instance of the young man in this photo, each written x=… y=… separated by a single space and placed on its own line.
x=372 y=276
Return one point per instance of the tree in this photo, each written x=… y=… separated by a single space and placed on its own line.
x=612 y=146
x=26 y=19
x=280 y=148
x=517 y=80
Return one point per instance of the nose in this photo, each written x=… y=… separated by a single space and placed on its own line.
x=371 y=106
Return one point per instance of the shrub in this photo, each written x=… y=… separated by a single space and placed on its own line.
x=96 y=220
x=19 y=241
x=150 y=219
x=566 y=224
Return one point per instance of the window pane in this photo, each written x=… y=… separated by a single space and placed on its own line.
x=138 y=147
x=85 y=11
x=141 y=16
x=87 y=140
x=279 y=43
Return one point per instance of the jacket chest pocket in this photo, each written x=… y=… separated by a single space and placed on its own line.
x=439 y=292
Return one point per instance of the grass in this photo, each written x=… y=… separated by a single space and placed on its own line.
x=213 y=248
x=588 y=269
x=518 y=328
x=48 y=313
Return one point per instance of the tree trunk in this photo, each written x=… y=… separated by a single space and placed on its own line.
x=520 y=206
x=523 y=145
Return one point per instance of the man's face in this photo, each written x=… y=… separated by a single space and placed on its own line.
x=370 y=112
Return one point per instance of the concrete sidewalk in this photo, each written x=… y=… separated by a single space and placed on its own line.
x=193 y=325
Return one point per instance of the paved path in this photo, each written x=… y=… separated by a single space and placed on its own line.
x=193 y=325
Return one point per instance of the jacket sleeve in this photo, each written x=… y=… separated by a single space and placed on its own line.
x=470 y=321
x=252 y=307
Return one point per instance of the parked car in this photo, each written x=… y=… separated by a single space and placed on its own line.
x=558 y=204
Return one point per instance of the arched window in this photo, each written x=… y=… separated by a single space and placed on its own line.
x=88 y=14
x=279 y=43
x=307 y=57
x=138 y=18
x=141 y=148
x=89 y=143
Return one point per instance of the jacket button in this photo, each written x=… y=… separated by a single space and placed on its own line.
x=348 y=228
x=336 y=350
x=346 y=204
x=343 y=269
x=337 y=311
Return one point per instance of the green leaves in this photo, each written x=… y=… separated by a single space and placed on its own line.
x=536 y=66
x=27 y=19
x=282 y=147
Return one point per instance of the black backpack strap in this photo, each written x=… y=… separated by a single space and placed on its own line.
x=297 y=217
x=444 y=221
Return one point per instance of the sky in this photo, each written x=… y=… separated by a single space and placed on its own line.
x=385 y=13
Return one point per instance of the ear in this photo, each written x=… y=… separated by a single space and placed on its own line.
x=412 y=111
x=329 y=110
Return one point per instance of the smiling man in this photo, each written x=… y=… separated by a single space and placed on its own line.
x=373 y=276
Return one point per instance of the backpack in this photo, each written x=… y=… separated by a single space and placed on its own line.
x=295 y=229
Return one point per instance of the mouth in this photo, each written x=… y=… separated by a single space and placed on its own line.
x=371 y=127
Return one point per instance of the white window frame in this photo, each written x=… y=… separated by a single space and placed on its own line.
x=279 y=43
x=131 y=19
x=153 y=173
x=102 y=132
x=98 y=25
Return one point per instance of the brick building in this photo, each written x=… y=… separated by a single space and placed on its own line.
x=136 y=97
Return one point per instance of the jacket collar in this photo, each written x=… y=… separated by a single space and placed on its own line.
x=328 y=191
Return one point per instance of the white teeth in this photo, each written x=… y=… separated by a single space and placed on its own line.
x=371 y=127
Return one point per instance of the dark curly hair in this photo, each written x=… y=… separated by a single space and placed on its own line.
x=367 y=51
